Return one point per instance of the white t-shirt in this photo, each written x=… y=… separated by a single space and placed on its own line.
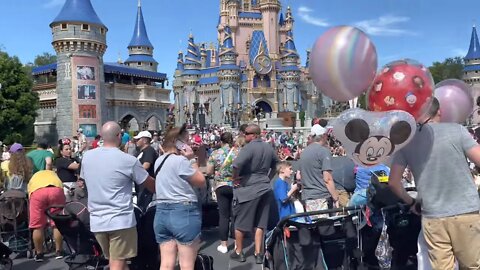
x=109 y=176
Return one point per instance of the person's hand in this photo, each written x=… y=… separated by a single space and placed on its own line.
x=416 y=208
x=236 y=181
x=336 y=204
x=187 y=152
x=295 y=187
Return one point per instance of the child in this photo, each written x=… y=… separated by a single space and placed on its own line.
x=282 y=191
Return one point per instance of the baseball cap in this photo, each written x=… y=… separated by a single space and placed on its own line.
x=80 y=130
x=318 y=130
x=143 y=134
x=16 y=147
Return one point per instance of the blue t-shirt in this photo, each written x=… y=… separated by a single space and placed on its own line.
x=364 y=174
x=280 y=191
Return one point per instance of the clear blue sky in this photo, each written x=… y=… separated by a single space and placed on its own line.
x=425 y=30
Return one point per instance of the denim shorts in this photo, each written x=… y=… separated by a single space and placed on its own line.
x=181 y=222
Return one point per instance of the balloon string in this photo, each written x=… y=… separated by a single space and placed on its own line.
x=422 y=124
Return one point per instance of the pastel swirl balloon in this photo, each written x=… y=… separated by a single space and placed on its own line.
x=455 y=98
x=343 y=63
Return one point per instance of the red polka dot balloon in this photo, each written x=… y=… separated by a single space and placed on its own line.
x=402 y=85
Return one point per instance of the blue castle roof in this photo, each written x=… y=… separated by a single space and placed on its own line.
x=193 y=56
x=112 y=68
x=80 y=11
x=290 y=44
x=180 y=61
x=474 y=49
x=228 y=42
x=281 y=21
x=140 y=36
x=258 y=43
x=250 y=15
x=140 y=58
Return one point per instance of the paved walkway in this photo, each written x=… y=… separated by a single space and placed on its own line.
x=209 y=246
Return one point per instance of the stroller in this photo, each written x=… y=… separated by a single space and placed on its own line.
x=326 y=243
x=73 y=222
x=14 y=230
x=403 y=227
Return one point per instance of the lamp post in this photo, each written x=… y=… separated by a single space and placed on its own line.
x=195 y=112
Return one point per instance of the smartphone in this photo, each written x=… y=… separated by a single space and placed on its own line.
x=180 y=145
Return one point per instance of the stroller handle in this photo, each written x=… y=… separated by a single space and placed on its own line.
x=48 y=211
x=284 y=220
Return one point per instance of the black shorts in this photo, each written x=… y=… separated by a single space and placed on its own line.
x=253 y=214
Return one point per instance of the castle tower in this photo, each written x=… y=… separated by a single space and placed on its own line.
x=79 y=39
x=191 y=76
x=289 y=19
x=140 y=48
x=270 y=10
x=472 y=69
x=229 y=78
x=290 y=75
x=177 y=89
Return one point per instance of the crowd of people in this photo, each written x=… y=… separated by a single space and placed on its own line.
x=116 y=170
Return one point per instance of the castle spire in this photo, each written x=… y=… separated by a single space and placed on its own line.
x=474 y=49
x=140 y=36
x=227 y=40
x=289 y=47
x=80 y=11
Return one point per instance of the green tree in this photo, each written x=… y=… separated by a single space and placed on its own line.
x=40 y=60
x=18 y=104
x=450 y=68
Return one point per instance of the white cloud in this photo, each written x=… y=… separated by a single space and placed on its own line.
x=53 y=3
x=386 y=25
x=305 y=14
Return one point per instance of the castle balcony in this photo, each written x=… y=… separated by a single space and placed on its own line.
x=143 y=93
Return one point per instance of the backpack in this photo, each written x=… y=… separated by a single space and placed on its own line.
x=203 y=262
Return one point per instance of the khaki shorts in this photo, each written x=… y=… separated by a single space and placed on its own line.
x=118 y=245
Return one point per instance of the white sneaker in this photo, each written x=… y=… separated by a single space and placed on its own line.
x=222 y=249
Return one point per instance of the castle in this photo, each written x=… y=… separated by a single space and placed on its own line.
x=255 y=71
x=471 y=74
x=81 y=91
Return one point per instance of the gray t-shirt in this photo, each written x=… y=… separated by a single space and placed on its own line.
x=109 y=175
x=172 y=182
x=314 y=160
x=254 y=162
x=437 y=159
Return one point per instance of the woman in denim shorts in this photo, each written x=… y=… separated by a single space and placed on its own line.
x=178 y=219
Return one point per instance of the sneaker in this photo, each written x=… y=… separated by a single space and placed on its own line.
x=58 y=255
x=237 y=257
x=38 y=257
x=259 y=258
x=222 y=249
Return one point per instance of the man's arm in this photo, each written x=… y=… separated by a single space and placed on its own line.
x=149 y=184
x=395 y=184
x=473 y=155
x=48 y=163
x=328 y=179
x=146 y=165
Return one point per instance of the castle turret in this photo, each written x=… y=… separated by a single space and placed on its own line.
x=270 y=10
x=140 y=48
x=79 y=39
x=289 y=19
x=177 y=89
x=233 y=8
x=229 y=77
x=191 y=76
x=471 y=70
x=203 y=56
x=290 y=75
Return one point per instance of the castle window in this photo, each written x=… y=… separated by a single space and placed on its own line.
x=102 y=31
x=64 y=26
x=151 y=64
x=85 y=27
x=139 y=47
x=139 y=63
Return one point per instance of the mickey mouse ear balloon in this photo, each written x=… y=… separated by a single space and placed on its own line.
x=343 y=63
x=402 y=85
x=455 y=98
x=370 y=138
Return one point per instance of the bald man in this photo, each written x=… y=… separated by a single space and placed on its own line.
x=109 y=175
x=252 y=193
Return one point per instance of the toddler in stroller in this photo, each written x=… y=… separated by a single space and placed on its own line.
x=14 y=221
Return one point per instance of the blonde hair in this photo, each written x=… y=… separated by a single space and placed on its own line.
x=283 y=165
x=240 y=141
x=21 y=165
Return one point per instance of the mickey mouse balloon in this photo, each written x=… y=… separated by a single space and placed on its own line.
x=370 y=138
x=402 y=85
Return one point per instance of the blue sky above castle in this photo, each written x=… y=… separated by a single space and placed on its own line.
x=425 y=30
